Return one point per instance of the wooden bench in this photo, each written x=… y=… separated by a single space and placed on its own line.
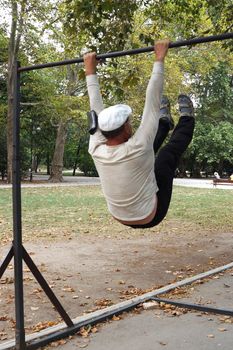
x=222 y=182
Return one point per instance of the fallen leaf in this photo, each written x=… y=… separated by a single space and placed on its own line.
x=3 y=336
x=33 y=308
x=7 y=280
x=68 y=289
x=84 y=331
x=3 y=318
x=222 y=329
x=150 y=305
x=94 y=330
x=116 y=318
x=103 y=302
x=58 y=343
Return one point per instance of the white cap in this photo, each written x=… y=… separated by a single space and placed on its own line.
x=113 y=117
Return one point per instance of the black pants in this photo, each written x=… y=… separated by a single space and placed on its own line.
x=166 y=163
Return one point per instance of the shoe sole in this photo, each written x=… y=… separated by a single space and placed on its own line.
x=185 y=106
x=166 y=117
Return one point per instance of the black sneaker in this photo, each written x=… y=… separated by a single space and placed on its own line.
x=185 y=106
x=165 y=113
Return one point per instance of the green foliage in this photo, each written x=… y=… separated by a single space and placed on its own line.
x=57 y=95
x=76 y=150
x=221 y=14
x=37 y=111
x=68 y=107
x=84 y=161
x=105 y=24
x=3 y=114
x=181 y=17
x=212 y=145
x=3 y=45
x=3 y=150
x=215 y=93
x=76 y=136
x=188 y=18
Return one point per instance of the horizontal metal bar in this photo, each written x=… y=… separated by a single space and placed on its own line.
x=113 y=54
x=72 y=330
x=202 y=308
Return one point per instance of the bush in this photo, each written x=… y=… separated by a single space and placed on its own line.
x=85 y=162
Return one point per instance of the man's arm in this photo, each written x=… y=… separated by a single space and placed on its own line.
x=161 y=49
x=96 y=102
x=150 y=117
x=95 y=98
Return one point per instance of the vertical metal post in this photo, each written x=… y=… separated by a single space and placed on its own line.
x=17 y=219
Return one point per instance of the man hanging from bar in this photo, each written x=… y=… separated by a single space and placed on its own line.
x=136 y=177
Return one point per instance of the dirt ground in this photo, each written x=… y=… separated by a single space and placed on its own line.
x=91 y=271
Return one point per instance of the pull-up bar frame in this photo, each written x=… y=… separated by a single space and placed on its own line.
x=113 y=54
x=17 y=250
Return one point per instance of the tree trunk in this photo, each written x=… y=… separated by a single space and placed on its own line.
x=76 y=160
x=12 y=54
x=48 y=164
x=196 y=171
x=13 y=49
x=10 y=124
x=57 y=162
x=181 y=168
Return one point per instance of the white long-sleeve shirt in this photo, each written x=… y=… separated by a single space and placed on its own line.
x=126 y=171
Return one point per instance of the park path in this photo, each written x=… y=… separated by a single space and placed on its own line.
x=42 y=181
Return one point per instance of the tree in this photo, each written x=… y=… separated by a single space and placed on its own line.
x=37 y=112
x=106 y=25
x=188 y=16
x=24 y=14
x=85 y=161
x=215 y=93
x=70 y=104
x=73 y=111
x=221 y=15
x=212 y=147
x=103 y=18
x=3 y=103
x=3 y=149
x=17 y=22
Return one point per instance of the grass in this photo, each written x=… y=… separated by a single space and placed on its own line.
x=63 y=212
x=209 y=208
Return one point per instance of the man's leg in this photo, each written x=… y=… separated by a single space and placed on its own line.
x=161 y=135
x=167 y=161
x=166 y=124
